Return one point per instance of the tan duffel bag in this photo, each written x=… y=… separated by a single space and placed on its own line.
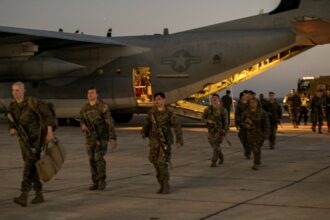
x=52 y=161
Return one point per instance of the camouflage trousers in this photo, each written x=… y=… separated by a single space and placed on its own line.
x=242 y=134
x=159 y=158
x=255 y=143
x=293 y=113
x=97 y=163
x=317 y=119
x=30 y=174
x=272 y=134
x=215 y=141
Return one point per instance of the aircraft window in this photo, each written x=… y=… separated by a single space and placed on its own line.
x=286 y=5
x=142 y=84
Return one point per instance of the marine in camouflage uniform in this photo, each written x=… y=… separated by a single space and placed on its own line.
x=216 y=118
x=242 y=106
x=294 y=103
x=256 y=122
x=96 y=122
x=274 y=111
x=327 y=108
x=35 y=118
x=227 y=102
x=158 y=126
x=318 y=106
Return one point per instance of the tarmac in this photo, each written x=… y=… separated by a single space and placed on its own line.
x=293 y=182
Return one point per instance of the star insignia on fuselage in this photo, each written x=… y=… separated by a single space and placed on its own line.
x=181 y=60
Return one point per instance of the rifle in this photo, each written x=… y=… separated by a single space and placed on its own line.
x=92 y=131
x=224 y=133
x=227 y=139
x=219 y=126
x=20 y=132
x=162 y=138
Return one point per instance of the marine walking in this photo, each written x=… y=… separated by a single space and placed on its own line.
x=157 y=128
x=255 y=121
x=31 y=120
x=318 y=111
x=242 y=106
x=216 y=118
x=274 y=112
x=98 y=126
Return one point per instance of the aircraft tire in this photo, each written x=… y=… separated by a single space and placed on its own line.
x=62 y=121
x=122 y=118
x=74 y=122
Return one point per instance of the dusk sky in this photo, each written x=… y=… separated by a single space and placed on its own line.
x=127 y=17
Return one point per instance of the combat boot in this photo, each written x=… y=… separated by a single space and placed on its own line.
x=160 y=189
x=166 y=188
x=38 y=199
x=213 y=164
x=255 y=167
x=95 y=186
x=221 y=159
x=160 y=184
x=102 y=185
x=313 y=128
x=22 y=199
x=247 y=155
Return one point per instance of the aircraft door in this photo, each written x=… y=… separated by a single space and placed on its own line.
x=142 y=85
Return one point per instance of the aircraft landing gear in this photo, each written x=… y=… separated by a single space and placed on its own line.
x=62 y=121
x=122 y=118
x=74 y=122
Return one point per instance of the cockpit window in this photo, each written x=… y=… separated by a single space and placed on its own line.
x=286 y=5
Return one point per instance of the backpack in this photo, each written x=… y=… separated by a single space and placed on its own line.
x=32 y=103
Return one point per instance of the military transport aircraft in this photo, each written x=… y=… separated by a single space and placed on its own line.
x=60 y=66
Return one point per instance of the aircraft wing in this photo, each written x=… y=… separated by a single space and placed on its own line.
x=19 y=50
x=48 y=40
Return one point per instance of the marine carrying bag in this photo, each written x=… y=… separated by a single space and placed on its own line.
x=52 y=161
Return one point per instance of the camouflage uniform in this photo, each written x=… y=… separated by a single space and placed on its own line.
x=97 y=118
x=318 y=105
x=257 y=127
x=216 y=131
x=327 y=110
x=159 y=156
x=27 y=114
x=242 y=133
x=274 y=111
x=227 y=103
x=294 y=104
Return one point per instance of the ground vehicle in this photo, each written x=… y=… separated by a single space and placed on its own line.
x=310 y=85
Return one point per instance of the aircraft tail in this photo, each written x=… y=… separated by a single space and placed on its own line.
x=281 y=17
